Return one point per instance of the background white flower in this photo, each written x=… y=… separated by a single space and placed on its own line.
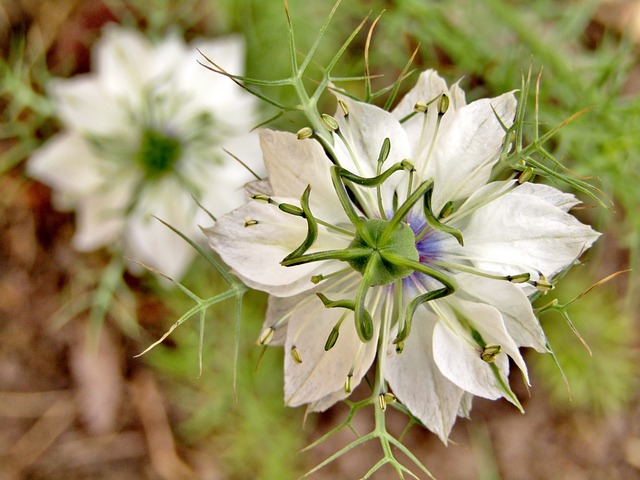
x=143 y=134
x=460 y=344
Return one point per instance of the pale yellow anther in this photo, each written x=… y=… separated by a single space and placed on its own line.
x=329 y=122
x=304 y=133
x=490 y=352
x=296 y=355
x=265 y=336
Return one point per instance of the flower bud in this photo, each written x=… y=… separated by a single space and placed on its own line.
x=329 y=122
x=304 y=133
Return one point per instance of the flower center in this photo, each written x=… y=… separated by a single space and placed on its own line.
x=158 y=153
x=373 y=235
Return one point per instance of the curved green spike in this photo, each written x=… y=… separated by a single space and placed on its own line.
x=435 y=223
x=378 y=179
x=364 y=327
x=312 y=227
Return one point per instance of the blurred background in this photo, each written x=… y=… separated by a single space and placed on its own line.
x=74 y=407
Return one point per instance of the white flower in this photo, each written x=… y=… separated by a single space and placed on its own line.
x=143 y=135
x=456 y=262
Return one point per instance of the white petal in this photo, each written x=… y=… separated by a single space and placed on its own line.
x=293 y=164
x=255 y=252
x=84 y=105
x=520 y=232
x=67 y=164
x=233 y=107
x=417 y=382
x=365 y=129
x=468 y=145
x=514 y=306
x=487 y=320
x=100 y=220
x=124 y=61
x=428 y=87
x=150 y=241
x=324 y=373
x=421 y=127
x=557 y=198
x=461 y=363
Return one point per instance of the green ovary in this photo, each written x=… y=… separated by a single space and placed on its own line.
x=158 y=153
x=373 y=235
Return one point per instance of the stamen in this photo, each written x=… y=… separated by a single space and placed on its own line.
x=335 y=333
x=322 y=277
x=516 y=278
x=250 y=222
x=525 y=176
x=304 y=133
x=329 y=122
x=266 y=335
x=490 y=352
x=296 y=355
x=343 y=107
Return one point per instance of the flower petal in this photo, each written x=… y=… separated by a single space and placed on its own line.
x=523 y=232
x=364 y=130
x=487 y=320
x=321 y=373
x=462 y=365
x=514 y=306
x=293 y=165
x=468 y=145
x=418 y=383
x=255 y=251
x=56 y=164
x=124 y=61
x=77 y=101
